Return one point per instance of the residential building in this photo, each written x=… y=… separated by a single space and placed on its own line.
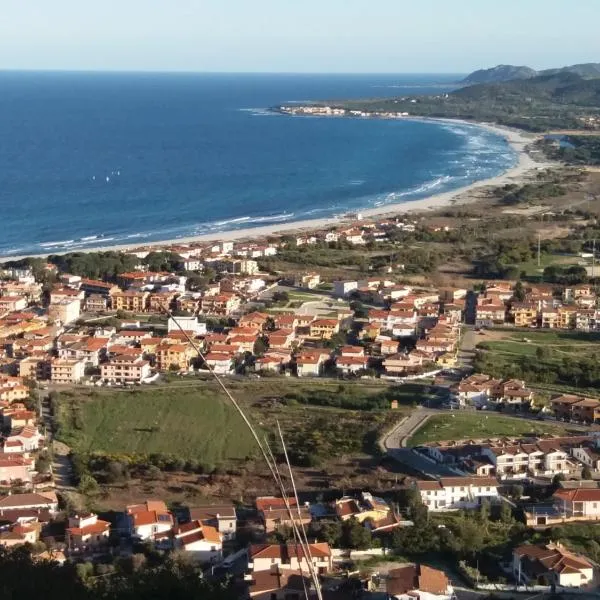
x=65 y=311
x=275 y=517
x=12 y=303
x=202 y=541
x=341 y=289
x=525 y=314
x=66 y=371
x=15 y=468
x=264 y=557
x=451 y=493
x=38 y=501
x=149 y=519
x=95 y=286
x=125 y=369
x=190 y=325
x=308 y=280
x=367 y=507
x=220 y=305
x=86 y=532
x=351 y=364
x=220 y=516
x=96 y=303
x=324 y=329
x=578 y=503
x=174 y=356
x=577 y=408
x=419 y=582
x=131 y=301
x=551 y=565
x=220 y=363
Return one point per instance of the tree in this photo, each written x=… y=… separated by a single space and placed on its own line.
x=586 y=473
x=519 y=293
x=355 y=535
x=506 y=513
x=260 y=346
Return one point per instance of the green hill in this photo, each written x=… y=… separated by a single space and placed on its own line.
x=503 y=73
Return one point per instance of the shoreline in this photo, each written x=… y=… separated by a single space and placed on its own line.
x=516 y=139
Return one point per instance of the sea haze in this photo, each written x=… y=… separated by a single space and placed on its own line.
x=97 y=159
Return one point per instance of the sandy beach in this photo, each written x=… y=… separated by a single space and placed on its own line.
x=518 y=140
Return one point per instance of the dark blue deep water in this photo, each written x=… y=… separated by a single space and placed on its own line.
x=141 y=157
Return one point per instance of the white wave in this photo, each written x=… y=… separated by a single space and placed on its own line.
x=60 y=243
x=357 y=182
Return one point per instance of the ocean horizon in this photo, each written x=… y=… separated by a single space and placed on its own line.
x=99 y=159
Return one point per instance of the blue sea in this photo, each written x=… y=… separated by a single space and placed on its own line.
x=89 y=159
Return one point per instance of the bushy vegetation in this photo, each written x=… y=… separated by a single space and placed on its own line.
x=576 y=149
x=511 y=194
x=138 y=576
x=549 y=358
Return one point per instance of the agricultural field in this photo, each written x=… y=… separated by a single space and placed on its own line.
x=477 y=425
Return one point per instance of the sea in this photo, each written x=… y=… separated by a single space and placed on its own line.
x=99 y=159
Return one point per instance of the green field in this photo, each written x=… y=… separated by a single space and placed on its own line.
x=186 y=422
x=476 y=425
x=193 y=420
x=531 y=266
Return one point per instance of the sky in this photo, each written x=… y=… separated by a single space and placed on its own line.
x=360 y=36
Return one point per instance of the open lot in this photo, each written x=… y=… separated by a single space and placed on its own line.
x=331 y=429
x=477 y=425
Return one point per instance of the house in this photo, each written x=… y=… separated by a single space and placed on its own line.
x=451 y=493
x=125 y=369
x=388 y=346
x=149 y=519
x=38 y=501
x=489 y=313
x=341 y=289
x=94 y=286
x=220 y=516
x=272 y=361
x=551 y=565
x=418 y=582
x=264 y=557
x=351 y=364
x=12 y=303
x=570 y=407
x=590 y=457
x=273 y=518
x=324 y=329
x=18 y=534
x=367 y=507
x=15 y=467
x=220 y=305
x=96 y=303
x=308 y=365
x=578 y=503
x=203 y=542
x=219 y=362
x=86 y=532
x=400 y=364
x=26 y=439
x=276 y=584
x=66 y=371
x=309 y=281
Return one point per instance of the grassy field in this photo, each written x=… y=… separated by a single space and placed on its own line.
x=187 y=423
x=546 y=260
x=476 y=425
x=194 y=420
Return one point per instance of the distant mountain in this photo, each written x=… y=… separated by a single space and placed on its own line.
x=498 y=74
x=503 y=73
x=585 y=70
x=562 y=87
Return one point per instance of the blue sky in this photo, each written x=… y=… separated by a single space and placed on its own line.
x=306 y=35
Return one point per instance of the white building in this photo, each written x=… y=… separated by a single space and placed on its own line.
x=342 y=288
x=203 y=542
x=149 y=519
x=189 y=324
x=451 y=493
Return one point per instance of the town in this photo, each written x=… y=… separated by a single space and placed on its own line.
x=485 y=438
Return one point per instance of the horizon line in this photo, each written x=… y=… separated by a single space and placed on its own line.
x=194 y=72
